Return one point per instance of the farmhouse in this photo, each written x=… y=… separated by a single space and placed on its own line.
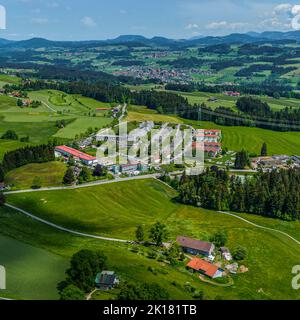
x=206 y=268
x=106 y=280
x=196 y=246
x=78 y=155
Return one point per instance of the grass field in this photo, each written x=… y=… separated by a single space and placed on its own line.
x=230 y=102
x=101 y=209
x=50 y=174
x=140 y=113
x=234 y=138
x=270 y=259
x=31 y=273
x=40 y=123
x=251 y=139
x=9 y=145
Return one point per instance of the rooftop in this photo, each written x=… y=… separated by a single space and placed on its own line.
x=76 y=153
x=201 y=265
x=194 y=244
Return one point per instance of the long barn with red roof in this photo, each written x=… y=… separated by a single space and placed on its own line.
x=78 y=155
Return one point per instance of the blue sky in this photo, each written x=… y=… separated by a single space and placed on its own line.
x=102 y=19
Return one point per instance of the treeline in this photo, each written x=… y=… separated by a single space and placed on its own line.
x=30 y=154
x=269 y=88
x=249 y=71
x=273 y=194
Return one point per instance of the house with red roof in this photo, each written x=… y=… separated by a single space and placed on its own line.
x=76 y=154
x=204 y=267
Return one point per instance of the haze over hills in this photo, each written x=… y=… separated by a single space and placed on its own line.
x=250 y=37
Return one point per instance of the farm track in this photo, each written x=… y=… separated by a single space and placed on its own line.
x=259 y=226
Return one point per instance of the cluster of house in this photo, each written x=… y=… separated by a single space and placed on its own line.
x=166 y=76
x=275 y=162
x=210 y=140
x=232 y=93
x=206 y=249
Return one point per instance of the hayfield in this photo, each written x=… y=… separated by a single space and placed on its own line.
x=251 y=139
x=50 y=174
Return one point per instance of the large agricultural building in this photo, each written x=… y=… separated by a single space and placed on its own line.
x=77 y=155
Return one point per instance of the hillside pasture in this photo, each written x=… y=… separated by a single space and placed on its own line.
x=147 y=201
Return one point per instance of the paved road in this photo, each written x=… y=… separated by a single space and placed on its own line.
x=259 y=226
x=62 y=228
x=87 y=185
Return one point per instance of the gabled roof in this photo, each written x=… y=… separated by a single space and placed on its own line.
x=201 y=265
x=194 y=244
x=76 y=153
x=106 y=278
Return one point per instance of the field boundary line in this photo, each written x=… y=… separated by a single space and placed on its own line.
x=53 y=225
x=261 y=227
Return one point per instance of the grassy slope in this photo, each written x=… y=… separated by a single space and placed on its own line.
x=9 y=145
x=102 y=209
x=31 y=273
x=50 y=173
x=237 y=138
x=270 y=259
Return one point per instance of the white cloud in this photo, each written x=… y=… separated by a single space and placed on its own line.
x=191 y=26
x=88 y=22
x=283 y=8
x=39 y=20
x=226 y=25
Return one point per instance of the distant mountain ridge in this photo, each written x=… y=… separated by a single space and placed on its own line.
x=249 y=37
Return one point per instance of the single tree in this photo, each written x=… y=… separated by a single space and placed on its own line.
x=264 y=150
x=219 y=238
x=69 y=177
x=158 y=233
x=242 y=160
x=1 y=173
x=100 y=171
x=85 y=265
x=71 y=292
x=37 y=183
x=140 y=234
x=10 y=135
x=85 y=174
x=2 y=199
x=19 y=103
x=239 y=253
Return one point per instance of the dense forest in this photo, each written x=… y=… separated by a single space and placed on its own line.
x=273 y=194
x=31 y=154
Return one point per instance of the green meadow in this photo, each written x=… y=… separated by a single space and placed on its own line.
x=31 y=273
x=40 y=123
x=251 y=139
x=50 y=174
x=117 y=209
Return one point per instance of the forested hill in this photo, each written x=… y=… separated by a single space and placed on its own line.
x=273 y=194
